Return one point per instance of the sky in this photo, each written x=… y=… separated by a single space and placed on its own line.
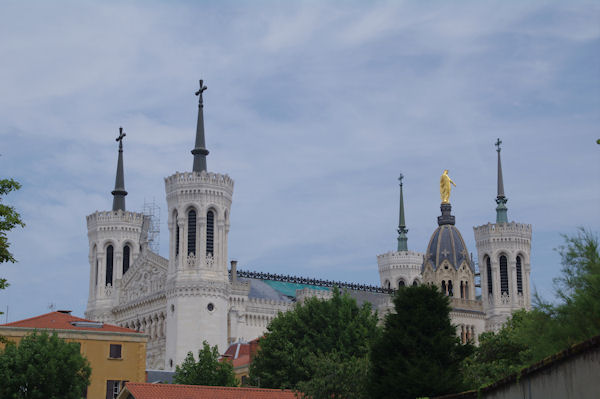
x=314 y=108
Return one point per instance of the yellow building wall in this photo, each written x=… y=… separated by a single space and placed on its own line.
x=95 y=346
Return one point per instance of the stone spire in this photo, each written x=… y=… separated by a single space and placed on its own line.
x=501 y=200
x=199 y=151
x=402 y=230
x=119 y=192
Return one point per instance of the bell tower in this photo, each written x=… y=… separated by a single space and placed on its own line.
x=197 y=288
x=503 y=251
x=116 y=238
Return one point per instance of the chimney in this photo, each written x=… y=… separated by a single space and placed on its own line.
x=234 y=271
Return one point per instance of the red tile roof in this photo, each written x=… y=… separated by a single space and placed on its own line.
x=63 y=321
x=168 y=391
x=245 y=353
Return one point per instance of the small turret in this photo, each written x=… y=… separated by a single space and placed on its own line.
x=402 y=267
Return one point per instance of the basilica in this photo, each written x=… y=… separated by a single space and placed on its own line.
x=197 y=294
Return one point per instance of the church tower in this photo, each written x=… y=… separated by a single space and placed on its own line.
x=115 y=239
x=402 y=267
x=197 y=287
x=503 y=250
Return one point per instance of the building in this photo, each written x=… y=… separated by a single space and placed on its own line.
x=240 y=354
x=116 y=354
x=175 y=391
x=194 y=296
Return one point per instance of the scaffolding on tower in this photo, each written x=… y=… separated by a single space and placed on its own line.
x=152 y=211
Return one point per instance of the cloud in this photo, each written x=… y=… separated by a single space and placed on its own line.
x=313 y=108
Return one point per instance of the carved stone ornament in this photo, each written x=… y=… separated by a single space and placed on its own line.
x=191 y=260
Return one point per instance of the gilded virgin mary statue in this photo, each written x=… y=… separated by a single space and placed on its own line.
x=445 y=187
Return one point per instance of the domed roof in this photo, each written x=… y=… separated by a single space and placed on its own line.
x=446 y=243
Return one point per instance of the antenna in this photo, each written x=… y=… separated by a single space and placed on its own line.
x=152 y=210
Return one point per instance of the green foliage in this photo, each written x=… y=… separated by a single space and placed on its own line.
x=206 y=371
x=529 y=337
x=43 y=366
x=578 y=288
x=9 y=218
x=499 y=354
x=336 y=377
x=418 y=353
x=315 y=328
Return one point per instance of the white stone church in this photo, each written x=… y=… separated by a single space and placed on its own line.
x=194 y=296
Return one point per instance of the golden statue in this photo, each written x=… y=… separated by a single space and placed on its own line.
x=445 y=187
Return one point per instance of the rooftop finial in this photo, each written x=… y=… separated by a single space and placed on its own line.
x=402 y=230
x=199 y=151
x=501 y=200
x=119 y=192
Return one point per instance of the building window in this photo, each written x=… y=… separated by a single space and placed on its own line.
x=210 y=233
x=503 y=275
x=450 y=290
x=401 y=284
x=444 y=287
x=176 y=235
x=488 y=269
x=466 y=290
x=115 y=351
x=415 y=283
x=126 y=257
x=113 y=388
x=109 y=265
x=519 y=276
x=462 y=290
x=192 y=232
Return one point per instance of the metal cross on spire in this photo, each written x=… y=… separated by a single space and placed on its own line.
x=402 y=230
x=120 y=138
x=501 y=200
x=119 y=192
x=200 y=152
x=200 y=91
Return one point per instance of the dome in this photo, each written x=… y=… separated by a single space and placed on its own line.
x=447 y=244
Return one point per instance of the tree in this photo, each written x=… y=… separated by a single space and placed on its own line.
x=206 y=371
x=529 y=337
x=9 y=219
x=336 y=377
x=418 y=353
x=315 y=328
x=43 y=366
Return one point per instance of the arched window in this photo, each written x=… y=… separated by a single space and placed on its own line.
x=462 y=290
x=192 y=232
x=488 y=268
x=109 y=265
x=450 y=291
x=387 y=284
x=176 y=234
x=466 y=290
x=126 y=258
x=210 y=233
x=444 y=287
x=95 y=258
x=519 y=276
x=401 y=284
x=503 y=274
x=415 y=283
